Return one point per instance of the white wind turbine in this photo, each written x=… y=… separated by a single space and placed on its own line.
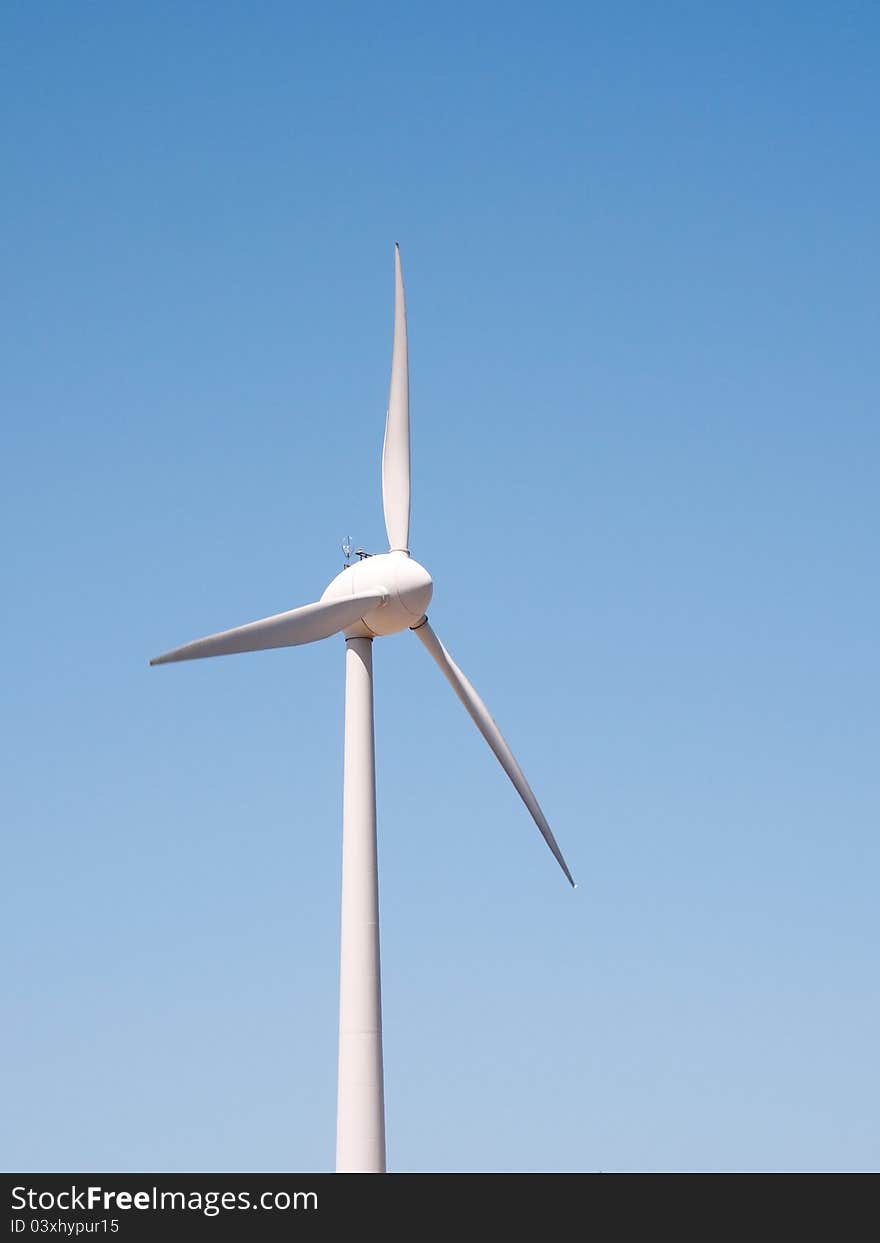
x=379 y=595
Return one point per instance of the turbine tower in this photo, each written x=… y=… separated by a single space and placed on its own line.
x=377 y=596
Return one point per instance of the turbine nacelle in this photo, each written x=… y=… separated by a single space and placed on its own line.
x=406 y=588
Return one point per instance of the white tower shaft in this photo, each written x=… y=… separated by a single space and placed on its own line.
x=360 y=1117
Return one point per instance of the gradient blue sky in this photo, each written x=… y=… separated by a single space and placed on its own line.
x=640 y=245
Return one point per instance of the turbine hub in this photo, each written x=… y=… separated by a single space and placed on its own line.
x=408 y=587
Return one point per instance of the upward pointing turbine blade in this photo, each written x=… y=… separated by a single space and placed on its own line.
x=302 y=625
x=395 y=450
x=490 y=731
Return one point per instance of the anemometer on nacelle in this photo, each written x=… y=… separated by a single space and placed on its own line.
x=360 y=553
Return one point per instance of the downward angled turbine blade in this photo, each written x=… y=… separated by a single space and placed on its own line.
x=490 y=731
x=303 y=625
x=395 y=451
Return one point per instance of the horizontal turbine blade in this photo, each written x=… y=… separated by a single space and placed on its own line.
x=395 y=450
x=302 y=625
x=490 y=731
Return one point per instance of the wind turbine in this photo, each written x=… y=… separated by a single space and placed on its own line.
x=378 y=595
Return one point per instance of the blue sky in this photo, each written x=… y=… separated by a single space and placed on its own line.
x=642 y=268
